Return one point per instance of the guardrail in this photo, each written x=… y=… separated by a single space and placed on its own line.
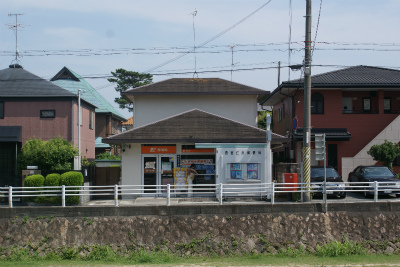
x=264 y=191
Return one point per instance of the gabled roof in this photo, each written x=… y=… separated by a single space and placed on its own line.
x=129 y=122
x=194 y=126
x=195 y=86
x=17 y=82
x=357 y=77
x=71 y=81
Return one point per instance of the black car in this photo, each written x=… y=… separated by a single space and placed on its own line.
x=387 y=180
x=334 y=183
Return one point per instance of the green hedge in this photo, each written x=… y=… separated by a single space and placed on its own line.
x=71 y=178
x=35 y=180
x=52 y=179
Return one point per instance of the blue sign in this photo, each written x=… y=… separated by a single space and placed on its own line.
x=294 y=123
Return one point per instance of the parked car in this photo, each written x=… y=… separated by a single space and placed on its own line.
x=387 y=180
x=334 y=182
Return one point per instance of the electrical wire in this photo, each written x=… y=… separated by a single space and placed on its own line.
x=211 y=39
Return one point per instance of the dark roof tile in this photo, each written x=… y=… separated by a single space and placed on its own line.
x=194 y=126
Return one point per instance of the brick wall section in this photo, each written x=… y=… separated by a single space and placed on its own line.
x=363 y=127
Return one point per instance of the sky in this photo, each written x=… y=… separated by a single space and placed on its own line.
x=240 y=40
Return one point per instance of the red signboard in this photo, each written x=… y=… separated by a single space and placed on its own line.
x=158 y=149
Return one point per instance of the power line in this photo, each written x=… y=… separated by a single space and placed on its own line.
x=211 y=39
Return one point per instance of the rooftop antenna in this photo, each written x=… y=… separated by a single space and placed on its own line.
x=232 y=64
x=12 y=27
x=194 y=44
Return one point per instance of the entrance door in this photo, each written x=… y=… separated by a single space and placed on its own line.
x=332 y=155
x=157 y=170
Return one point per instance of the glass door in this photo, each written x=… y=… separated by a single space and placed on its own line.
x=149 y=174
x=157 y=170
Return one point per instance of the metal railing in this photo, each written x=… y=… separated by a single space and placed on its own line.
x=221 y=192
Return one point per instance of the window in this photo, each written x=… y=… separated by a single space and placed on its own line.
x=48 y=113
x=1 y=110
x=317 y=103
x=366 y=104
x=244 y=171
x=91 y=119
x=387 y=105
x=279 y=114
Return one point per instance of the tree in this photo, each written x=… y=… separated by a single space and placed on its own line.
x=262 y=119
x=385 y=153
x=128 y=80
x=54 y=154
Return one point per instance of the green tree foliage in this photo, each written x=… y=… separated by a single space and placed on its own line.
x=262 y=119
x=126 y=80
x=385 y=153
x=54 y=154
x=106 y=155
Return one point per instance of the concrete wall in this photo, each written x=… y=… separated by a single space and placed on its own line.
x=148 y=109
x=255 y=228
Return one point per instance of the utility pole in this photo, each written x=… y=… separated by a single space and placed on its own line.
x=307 y=106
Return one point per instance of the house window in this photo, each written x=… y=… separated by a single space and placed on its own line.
x=1 y=110
x=279 y=114
x=91 y=119
x=317 y=103
x=387 y=105
x=48 y=113
x=366 y=104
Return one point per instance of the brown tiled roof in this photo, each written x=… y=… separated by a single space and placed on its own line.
x=129 y=122
x=195 y=86
x=194 y=126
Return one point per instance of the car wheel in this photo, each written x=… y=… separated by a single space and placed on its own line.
x=342 y=195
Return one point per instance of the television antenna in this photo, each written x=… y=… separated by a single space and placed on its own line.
x=194 y=43
x=15 y=27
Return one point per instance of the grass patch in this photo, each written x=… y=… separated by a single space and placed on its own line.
x=247 y=260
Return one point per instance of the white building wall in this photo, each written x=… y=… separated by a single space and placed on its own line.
x=148 y=109
x=132 y=165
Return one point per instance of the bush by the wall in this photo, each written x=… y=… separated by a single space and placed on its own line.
x=71 y=179
x=35 y=180
x=52 y=179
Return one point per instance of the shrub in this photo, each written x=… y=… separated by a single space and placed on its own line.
x=35 y=180
x=113 y=166
x=71 y=178
x=52 y=179
x=106 y=155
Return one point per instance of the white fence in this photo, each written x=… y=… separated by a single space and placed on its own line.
x=266 y=191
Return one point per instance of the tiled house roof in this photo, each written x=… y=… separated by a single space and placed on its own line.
x=354 y=77
x=17 y=82
x=194 y=126
x=71 y=81
x=358 y=76
x=195 y=86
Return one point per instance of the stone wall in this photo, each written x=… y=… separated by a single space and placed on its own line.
x=202 y=234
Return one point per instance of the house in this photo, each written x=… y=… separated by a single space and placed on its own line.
x=211 y=123
x=108 y=119
x=355 y=107
x=31 y=107
x=127 y=125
